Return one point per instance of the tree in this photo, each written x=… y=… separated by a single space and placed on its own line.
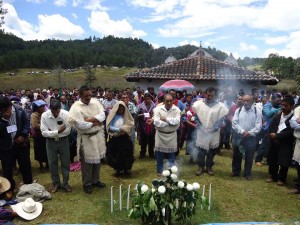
x=60 y=82
x=2 y=13
x=90 y=77
x=297 y=72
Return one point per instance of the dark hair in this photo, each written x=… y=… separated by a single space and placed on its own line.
x=55 y=104
x=276 y=95
x=189 y=94
x=288 y=99
x=83 y=89
x=147 y=95
x=5 y=102
x=212 y=89
x=284 y=93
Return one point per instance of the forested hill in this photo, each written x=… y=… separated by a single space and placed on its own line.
x=110 y=51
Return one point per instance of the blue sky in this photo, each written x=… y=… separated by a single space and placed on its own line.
x=253 y=28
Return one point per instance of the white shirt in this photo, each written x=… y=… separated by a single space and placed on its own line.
x=49 y=126
x=247 y=120
x=283 y=118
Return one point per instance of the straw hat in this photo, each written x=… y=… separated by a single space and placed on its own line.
x=29 y=209
x=4 y=185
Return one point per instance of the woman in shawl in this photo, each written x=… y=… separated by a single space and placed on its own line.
x=119 y=126
x=39 y=142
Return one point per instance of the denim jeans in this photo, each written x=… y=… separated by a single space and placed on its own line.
x=249 y=145
x=160 y=160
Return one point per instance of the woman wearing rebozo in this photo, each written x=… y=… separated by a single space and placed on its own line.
x=119 y=126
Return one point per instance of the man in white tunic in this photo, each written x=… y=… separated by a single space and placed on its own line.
x=210 y=114
x=87 y=115
x=166 y=121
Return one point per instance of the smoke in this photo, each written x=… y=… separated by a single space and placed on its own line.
x=178 y=162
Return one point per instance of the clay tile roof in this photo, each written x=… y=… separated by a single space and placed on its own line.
x=200 y=67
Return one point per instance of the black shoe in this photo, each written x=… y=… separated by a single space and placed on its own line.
x=127 y=172
x=152 y=156
x=118 y=173
x=88 y=189
x=100 y=184
x=234 y=175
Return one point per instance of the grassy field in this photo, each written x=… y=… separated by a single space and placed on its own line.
x=105 y=77
x=233 y=199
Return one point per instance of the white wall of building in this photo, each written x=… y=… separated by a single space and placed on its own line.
x=234 y=84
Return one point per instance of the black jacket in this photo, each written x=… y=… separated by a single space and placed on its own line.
x=23 y=128
x=285 y=146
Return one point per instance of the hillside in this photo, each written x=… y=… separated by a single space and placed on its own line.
x=110 y=51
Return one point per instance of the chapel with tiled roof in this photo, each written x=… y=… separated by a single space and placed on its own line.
x=203 y=70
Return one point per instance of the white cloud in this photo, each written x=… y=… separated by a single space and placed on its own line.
x=57 y=26
x=89 y=4
x=49 y=26
x=60 y=3
x=155 y=46
x=278 y=16
x=192 y=18
x=246 y=47
x=186 y=42
x=236 y=55
x=103 y=24
x=276 y=40
x=291 y=49
x=74 y=15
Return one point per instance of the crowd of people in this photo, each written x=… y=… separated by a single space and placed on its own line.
x=100 y=125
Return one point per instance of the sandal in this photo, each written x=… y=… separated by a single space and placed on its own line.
x=68 y=188
x=54 y=188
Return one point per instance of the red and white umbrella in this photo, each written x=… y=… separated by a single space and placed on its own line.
x=178 y=85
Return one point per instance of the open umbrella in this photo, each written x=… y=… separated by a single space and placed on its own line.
x=178 y=85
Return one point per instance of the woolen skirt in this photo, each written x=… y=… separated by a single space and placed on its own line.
x=119 y=153
x=39 y=146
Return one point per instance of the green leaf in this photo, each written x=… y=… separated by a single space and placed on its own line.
x=146 y=209
x=152 y=204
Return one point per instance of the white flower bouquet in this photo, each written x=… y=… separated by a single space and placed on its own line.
x=167 y=197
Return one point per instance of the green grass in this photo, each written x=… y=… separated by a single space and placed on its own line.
x=105 y=77
x=286 y=84
x=233 y=199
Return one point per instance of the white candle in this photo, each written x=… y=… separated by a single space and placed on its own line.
x=128 y=196
x=120 y=197
x=209 y=197
x=203 y=192
x=111 y=199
